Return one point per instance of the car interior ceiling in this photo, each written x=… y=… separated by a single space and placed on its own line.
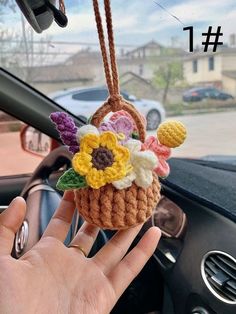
x=172 y=281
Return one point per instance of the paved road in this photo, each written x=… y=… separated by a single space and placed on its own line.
x=209 y=134
x=213 y=133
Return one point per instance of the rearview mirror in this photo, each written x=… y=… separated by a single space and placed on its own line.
x=35 y=142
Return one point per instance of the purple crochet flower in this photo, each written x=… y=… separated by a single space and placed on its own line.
x=121 y=125
x=66 y=129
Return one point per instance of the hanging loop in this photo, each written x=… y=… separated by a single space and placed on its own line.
x=115 y=101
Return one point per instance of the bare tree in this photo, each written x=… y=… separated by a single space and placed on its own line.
x=18 y=50
x=7 y=50
x=30 y=54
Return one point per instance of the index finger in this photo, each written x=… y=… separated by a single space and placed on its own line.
x=59 y=225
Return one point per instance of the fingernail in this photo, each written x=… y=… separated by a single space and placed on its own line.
x=14 y=199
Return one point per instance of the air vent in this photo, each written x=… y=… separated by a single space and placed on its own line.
x=219 y=274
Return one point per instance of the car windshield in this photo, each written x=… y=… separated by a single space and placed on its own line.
x=176 y=59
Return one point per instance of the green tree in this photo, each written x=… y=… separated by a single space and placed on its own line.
x=167 y=76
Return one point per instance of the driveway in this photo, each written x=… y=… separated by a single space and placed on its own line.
x=208 y=134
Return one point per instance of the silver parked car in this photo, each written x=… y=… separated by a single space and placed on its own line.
x=84 y=102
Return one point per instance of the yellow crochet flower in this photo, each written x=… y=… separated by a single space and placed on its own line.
x=101 y=159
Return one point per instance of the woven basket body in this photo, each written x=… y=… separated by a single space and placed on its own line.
x=110 y=208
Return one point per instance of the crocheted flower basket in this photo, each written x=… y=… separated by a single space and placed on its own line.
x=115 y=177
x=126 y=205
x=115 y=171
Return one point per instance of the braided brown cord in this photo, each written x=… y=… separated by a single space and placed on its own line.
x=153 y=195
x=112 y=51
x=142 y=205
x=115 y=101
x=103 y=46
x=119 y=210
x=106 y=208
x=150 y=200
x=131 y=205
x=95 y=205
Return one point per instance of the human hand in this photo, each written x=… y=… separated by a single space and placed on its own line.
x=51 y=278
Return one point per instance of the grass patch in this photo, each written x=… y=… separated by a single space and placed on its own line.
x=205 y=106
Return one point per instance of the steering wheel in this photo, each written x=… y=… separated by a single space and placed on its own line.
x=42 y=200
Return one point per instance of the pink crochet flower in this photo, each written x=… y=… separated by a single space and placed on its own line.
x=123 y=113
x=162 y=152
x=122 y=125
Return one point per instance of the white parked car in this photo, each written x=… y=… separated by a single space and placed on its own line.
x=84 y=102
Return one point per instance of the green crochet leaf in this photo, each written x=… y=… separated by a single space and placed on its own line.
x=71 y=180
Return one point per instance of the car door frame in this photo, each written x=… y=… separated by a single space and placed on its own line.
x=25 y=103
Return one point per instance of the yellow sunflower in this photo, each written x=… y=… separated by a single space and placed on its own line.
x=101 y=159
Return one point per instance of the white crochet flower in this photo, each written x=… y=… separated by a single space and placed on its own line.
x=86 y=129
x=143 y=163
x=125 y=182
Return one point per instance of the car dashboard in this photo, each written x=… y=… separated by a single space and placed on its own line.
x=199 y=266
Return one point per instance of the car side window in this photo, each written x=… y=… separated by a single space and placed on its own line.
x=213 y=92
x=209 y=92
x=83 y=96
x=125 y=95
x=101 y=94
x=92 y=95
x=13 y=159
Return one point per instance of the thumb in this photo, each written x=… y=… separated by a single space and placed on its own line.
x=10 y=221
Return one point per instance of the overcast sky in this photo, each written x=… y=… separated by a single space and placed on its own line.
x=139 y=21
